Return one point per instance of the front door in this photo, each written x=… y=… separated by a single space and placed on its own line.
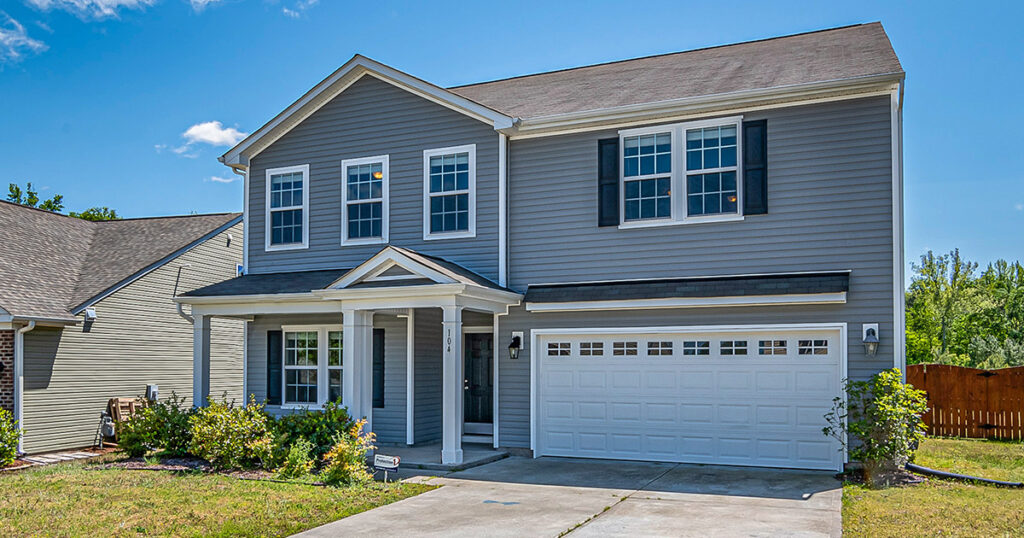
x=479 y=382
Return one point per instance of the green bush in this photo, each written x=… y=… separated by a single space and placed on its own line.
x=9 y=436
x=162 y=425
x=319 y=427
x=345 y=462
x=883 y=417
x=231 y=437
x=298 y=462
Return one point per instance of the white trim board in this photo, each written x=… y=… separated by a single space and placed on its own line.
x=691 y=302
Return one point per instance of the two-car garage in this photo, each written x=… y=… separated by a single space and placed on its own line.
x=725 y=395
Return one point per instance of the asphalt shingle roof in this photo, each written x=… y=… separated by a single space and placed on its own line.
x=828 y=55
x=51 y=263
x=269 y=283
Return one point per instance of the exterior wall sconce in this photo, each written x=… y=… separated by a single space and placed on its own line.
x=870 y=339
x=515 y=346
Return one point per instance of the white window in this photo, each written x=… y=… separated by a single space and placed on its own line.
x=696 y=347
x=592 y=349
x=313 y=368
x=559 y=349
x=449 y=192
x=287 y=215
x=733 y=347
x=364 y=200
x=655 y=349
x=687 y=172
x=624 y=348
x=812 y=347
x=771 y=347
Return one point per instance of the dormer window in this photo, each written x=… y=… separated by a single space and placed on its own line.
x=287 y=216
x=364 y=198
x=449 y=192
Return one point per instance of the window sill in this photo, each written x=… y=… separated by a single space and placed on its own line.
x=286 y=246
x=364 y=241
x=450 y=235
x=688 y=220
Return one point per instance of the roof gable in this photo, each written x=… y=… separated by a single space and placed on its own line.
x=332 y=86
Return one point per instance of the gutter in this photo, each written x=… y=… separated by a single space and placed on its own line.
x=19 y=380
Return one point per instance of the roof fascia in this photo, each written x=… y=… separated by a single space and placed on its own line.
x=338 y=82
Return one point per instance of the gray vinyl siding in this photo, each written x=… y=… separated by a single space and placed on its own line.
x=427 y=425
x=829 y=208
x=373 y=118
x=137 y=339
x=389 y=421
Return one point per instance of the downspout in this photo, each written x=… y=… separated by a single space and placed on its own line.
x=19 y=379
x=502 y=210
x=245 y=214
x=181 y=311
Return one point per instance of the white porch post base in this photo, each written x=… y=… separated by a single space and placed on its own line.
x=357 y=358
x=452 y=380
x=200 y=360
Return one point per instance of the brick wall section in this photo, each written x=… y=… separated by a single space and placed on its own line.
x=7 y=375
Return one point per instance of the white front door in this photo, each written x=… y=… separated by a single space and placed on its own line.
x=739 y=397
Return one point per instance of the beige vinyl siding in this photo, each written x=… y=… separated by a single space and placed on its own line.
x=137 y=339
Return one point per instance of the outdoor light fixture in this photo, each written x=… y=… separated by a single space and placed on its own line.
x=513 y=348
x=870 y=339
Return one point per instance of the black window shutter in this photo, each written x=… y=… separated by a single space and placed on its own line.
x=275 y=349
x=755 y=167
x=608 y=182
x=378 y=367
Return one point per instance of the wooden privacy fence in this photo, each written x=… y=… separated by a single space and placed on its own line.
x=968 y=402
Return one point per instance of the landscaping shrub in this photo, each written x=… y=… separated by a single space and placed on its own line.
x=161 y=425
x=9 y=436
x=883 y=417
x=231 y=437
x=345 y=462
x=298 y=462
x=319 y=427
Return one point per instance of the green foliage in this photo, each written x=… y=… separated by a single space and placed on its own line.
x=231 y=437
x=883 y=416
x=299 y=461
x=959 y=318
x=9 y=437
x=318 y=427
x=345 y=462
x=159 y=426
x=96 y=214
x=29 y=197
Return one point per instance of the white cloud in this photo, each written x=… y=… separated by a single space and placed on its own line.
x=1019 y=207
x=92 y=9
x=291 y=13
x=14 y=40
x=298 y=8
x=213 y=133
x=230 y=179
x=199 y=5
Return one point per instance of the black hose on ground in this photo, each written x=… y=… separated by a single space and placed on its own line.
x=954 y=476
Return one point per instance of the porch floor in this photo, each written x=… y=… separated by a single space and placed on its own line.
x=428 y=456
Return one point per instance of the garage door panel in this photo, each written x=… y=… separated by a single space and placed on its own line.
x=714 y=407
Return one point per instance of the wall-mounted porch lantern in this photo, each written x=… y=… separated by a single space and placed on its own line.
x=870 y=339
x=515 y=346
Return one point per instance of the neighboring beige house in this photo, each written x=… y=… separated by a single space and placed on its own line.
x=86 y=314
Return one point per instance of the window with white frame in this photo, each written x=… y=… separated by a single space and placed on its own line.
x=287 y=214
x=364 y=200
x=655 y=349
x=559 y=349
x=592 y=349
x=313 y=367
x=647 y=176
x=812 y=347
x=675 y=173
x=696 y=347
x=771 y=347
x=733 y=347
x=624 y=348
x=449 y=184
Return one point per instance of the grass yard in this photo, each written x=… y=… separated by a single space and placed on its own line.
x=68 y=499
x=945 y=508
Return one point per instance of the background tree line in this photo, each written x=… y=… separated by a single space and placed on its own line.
x=30 y=197
x=956 y=315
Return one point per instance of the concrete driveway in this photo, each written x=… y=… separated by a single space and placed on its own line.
x=524 y=497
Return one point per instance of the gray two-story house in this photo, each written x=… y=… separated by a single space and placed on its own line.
x=672 y=258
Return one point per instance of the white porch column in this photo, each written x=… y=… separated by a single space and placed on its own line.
x=200 y=360
x=357 y=359
x=451 y=382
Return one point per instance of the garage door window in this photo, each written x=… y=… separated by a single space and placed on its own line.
x=624 y=348
x=657 y=349
x=696 y=347
x=733 y=347
x=591 y=349
x=559 y=349
x=771 y=347
x=813 y=347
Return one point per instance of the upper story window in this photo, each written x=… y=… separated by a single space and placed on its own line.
x=364 y=200
x=677 y=173
x=449 y=197
x=287 y=216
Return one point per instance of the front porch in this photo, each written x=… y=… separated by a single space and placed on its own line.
x=406 y=341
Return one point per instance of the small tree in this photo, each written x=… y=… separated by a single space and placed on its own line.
x=883 y=417
x=29 y=197
x=9 y=437
x=96 y=214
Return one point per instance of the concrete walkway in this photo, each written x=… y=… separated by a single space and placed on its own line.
x=554 y=496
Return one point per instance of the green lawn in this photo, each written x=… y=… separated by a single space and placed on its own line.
x=70 y=500
x=944 y=508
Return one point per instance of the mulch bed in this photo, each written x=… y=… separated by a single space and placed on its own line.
x=897 y=479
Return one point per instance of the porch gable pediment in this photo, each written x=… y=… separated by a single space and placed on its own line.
x=393 y=266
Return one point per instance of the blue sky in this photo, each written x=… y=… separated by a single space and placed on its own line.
x=127 y=103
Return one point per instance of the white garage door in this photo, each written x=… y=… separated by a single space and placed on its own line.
x=751 y=397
